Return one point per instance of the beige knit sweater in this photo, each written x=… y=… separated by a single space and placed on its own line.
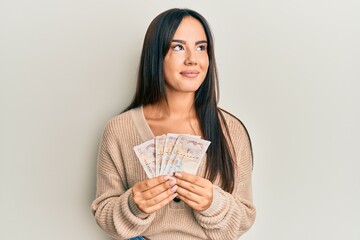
x=228 y=217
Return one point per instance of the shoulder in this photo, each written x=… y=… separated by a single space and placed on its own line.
x=119 y=125
x=237 y=131
x=232 y=122
x=240 y=138
x=119 y=120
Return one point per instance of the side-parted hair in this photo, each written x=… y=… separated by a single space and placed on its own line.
x=151 y=89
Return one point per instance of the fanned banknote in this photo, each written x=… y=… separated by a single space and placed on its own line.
x=159 y=151
x=170 y=141
x=168 y=153
x=146 y=154
x=186 y=154
x=168 y=147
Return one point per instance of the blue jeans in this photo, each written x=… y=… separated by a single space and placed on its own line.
x=137 y=238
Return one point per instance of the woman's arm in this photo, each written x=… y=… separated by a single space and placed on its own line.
x=221 y=214
x=114 y=208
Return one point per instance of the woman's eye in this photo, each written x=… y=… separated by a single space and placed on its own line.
x=178 y=47
x=201 y=48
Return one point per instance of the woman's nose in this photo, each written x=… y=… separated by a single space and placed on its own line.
x=190 y=57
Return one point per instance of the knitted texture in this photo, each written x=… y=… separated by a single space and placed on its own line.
x=118 y=169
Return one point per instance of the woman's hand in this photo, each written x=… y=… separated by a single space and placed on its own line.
x=152 y=194
x=195 y=191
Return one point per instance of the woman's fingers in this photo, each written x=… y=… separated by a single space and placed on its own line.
x=150 y=183
x=194 y=205
x=161 y=204
x=148 y=202
x=193 y=179
x=153 y=204
x=195 y=191
x=152 y=194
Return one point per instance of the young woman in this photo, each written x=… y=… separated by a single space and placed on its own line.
x=176 y=93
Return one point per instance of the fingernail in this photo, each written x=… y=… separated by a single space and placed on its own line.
x=172 y=182
x=167 y=177
x=178 y=175
x=174 y=188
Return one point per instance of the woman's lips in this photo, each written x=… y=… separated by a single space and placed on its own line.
x=189 y=74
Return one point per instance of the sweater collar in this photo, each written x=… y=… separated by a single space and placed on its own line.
x=141 y=124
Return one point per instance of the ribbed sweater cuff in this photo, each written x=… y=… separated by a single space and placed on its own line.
x=134 y=209
x=217 y=205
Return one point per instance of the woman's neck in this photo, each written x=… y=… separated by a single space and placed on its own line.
x=176 y=115
x=177 y=106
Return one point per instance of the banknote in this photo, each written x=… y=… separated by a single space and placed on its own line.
x=170 y=141
x=186 y=154
x=146 y=154
x=189 y=159
x=168 y=147
x=159 y=151
x=171 y=152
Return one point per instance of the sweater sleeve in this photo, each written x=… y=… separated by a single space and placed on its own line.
x=114 y=208
x=231 y=215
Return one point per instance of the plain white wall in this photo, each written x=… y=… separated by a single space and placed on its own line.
x=289 y=69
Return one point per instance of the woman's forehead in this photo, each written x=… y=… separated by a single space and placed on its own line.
x=191 y=29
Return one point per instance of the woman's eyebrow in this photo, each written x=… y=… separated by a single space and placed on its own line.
x=202 y=41
x=179 y=41
x=184 y=42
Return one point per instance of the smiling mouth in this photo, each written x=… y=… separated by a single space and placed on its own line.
x=190 y=74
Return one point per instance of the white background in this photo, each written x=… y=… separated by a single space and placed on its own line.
x=288 y=69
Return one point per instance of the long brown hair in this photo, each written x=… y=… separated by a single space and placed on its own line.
x=151 y=89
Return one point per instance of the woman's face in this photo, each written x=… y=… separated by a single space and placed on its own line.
x=186 y=63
